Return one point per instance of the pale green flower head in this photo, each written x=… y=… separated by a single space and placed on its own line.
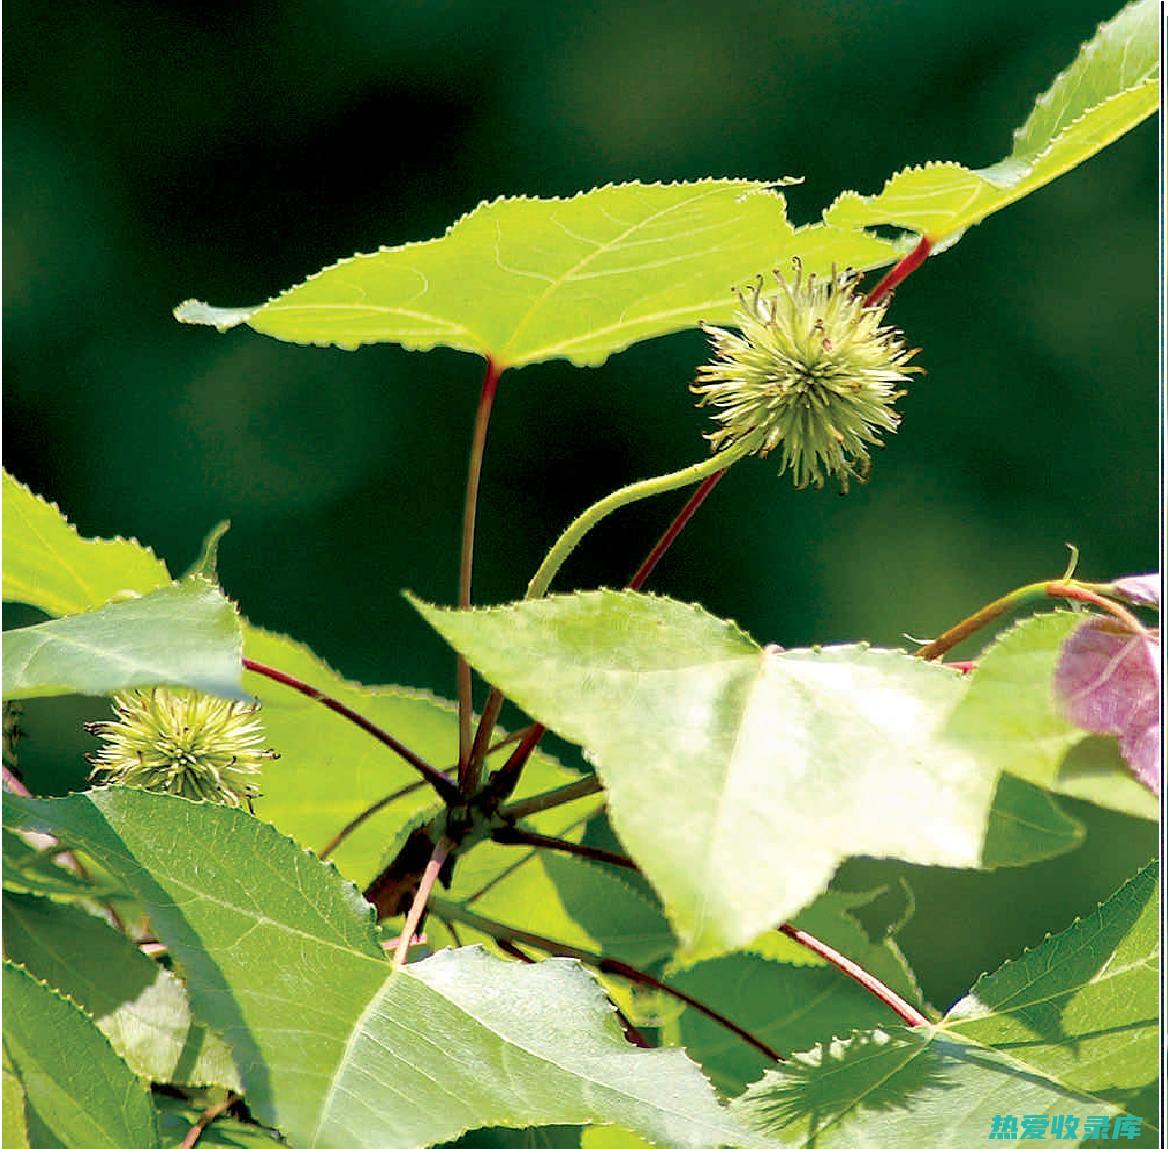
x=811 y=371
x=182 y=742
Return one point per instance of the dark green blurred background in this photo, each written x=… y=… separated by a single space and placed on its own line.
x=225 y=151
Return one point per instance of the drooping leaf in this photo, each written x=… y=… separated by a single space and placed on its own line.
x=186 y=634
x=520 y=281
x=737 y=777
x=74 y=1083
x=47 y=564
x=1112 y=85
x=1008 y=717
x=280 y=956
x=1069 y=1030
x=1107 y=681
x=138 y=1005
x=330 y=771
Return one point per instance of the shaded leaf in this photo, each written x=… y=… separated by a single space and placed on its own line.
x=280 y=956
x=175 y=1119
x=14 y=1118
x=737 y=777
x=1008 y=718
x=524 y=280
x=186 y=634
x=138 y=1005
x=1027 y=825
x=78 y=1088
x=1108 y=682
x=47 y=564
x=1068 y=1030
x=1112 y=85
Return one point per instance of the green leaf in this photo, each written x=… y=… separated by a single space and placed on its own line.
x=788 y=996
x=1112 y=85
x=186 y=634
x=737 y=777
x=47 y=564
x=1027 y=825
x=1083 y=1007
x=1069 y=1029
x=520 y=281
x=330 y=771
x=14 y=1127
x=74 y=1082
x=207 y=564
x=1009 y=719
x=138 y=1005
x=39 y=871
x=280 y=956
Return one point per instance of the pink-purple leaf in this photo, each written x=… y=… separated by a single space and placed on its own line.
x=1142 y=590
x=1108 y=682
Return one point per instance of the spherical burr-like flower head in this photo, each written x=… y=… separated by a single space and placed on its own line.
x=182 y=742
x=811 y=371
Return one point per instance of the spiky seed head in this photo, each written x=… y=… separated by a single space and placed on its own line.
x=811 y=371
x=182 y=742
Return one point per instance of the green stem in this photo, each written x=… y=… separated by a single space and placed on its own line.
x=549 y=800
x=633 y=493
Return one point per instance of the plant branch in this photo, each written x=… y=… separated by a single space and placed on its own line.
x=901 y=271
x=516 y=836
x=210 y=1114
x=908 y=1013
x=550 y=799
x=674 y=529
x=448 y=909
x=447 y=790
x=418 y=905
x=365 y=815
x=506 y=778
x=466 y=780
x=1032 y=592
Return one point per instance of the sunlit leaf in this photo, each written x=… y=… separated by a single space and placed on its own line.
x=524 y=280
x=1112 y=85
x=1067 y=1032
x=186 y=634
x=737 y=777
x=47 y=564
x=280 y=956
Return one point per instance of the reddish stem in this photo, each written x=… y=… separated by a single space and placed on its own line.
x=674 y=529
x=208 y=1116
x=418 y=906
x=909 y=1014
x=898 y=274
x=446 y=789
x=466 y=564
x=515 y=836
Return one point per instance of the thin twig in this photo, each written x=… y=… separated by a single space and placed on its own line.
x=901 y=271
x=675 y=528
x=908 y=1013
x=516 y=836
x=446 y=909
x=466 y=779
x=506 y=778
x=550 y=799
x=206 y=1117
x=418 y=906
x=446 y=789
